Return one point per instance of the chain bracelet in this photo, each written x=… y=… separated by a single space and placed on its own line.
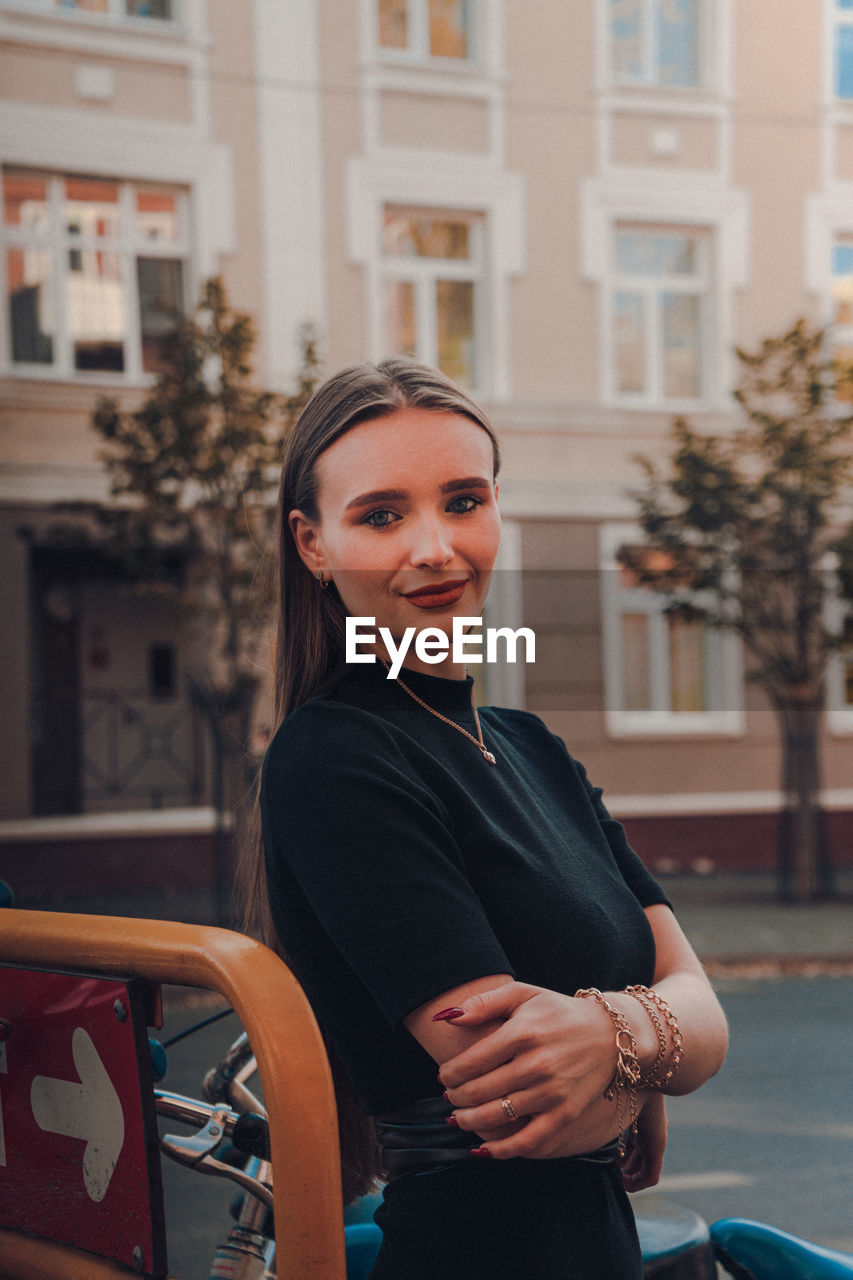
x=646 y=1080
x=628 y=1069
x=674 y=1030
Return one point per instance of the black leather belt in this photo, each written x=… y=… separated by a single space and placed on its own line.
x=417 y=1137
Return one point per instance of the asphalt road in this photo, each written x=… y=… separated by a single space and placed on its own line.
x=770 y=1138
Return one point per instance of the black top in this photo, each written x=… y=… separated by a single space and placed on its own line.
x=402 y=864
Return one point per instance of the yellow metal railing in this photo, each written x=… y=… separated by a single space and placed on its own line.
x=285 y=1039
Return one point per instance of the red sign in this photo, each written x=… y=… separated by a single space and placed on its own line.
x=79 y=1158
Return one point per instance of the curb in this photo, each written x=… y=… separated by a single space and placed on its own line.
x=785 y=966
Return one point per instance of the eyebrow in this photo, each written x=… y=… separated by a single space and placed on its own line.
x=400 y=495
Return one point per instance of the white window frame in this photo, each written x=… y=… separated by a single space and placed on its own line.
x=651 y=287
x=837 y=18
x=677 y=200
x=840 y=333
x=423 y=274
x=496 y=196
x=839 y=714
x=724 y=676
x=127 y=245
x=115 y=14
x=651 y=79
x=417 y=52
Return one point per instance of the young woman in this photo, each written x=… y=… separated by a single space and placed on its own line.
x=463 y=913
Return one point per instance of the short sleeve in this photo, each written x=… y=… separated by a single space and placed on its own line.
x=368 y=847
x=642 y=883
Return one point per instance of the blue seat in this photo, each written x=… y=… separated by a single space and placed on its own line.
x=774 y=1255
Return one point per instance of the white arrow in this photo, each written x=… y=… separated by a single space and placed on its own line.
x=90 y=1110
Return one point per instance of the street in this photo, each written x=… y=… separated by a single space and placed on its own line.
x=770 y=1138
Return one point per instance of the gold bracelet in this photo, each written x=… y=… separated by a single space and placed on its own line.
x=628 y=1069
x=646 y=1080
x=674 y=1031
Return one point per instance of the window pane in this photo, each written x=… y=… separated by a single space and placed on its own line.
x=405 y=236
x=681 y=345
x=686 y=663
x=626 y=32
x=157 y=217
x=149 y=8
x=160 y=284
x=629 y=342
x=644 y=254
x=400 y=317
x=455 y=312
x=635 y=662
x=448 y=28
x=844 y=61
x=97 y=312
x=678 y=38
x=92 y=208
x=393 y=24
x=31 y=315
x=25 y=202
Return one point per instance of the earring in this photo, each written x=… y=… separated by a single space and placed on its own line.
x=325 y=583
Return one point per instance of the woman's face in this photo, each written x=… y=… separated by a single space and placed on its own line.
x=409 y=525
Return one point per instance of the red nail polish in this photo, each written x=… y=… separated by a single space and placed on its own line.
x=446 y=1096
x=481 y=1151
x=447 y=1014
x=452 y=1120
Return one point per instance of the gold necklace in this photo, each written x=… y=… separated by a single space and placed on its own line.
x=478 y=741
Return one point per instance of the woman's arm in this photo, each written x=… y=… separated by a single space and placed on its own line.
x=556 y=1055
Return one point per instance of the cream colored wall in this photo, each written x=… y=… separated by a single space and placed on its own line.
x=777 y=154
x=233 y=108
x=562 y=603
x=638 y=140
x=423 y=120
x=148 y=91
x=550 y=131
x=340 y=51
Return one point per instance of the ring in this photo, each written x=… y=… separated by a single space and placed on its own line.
x=509 y=1110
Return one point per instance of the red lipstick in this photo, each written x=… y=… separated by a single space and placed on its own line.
x=438 y=595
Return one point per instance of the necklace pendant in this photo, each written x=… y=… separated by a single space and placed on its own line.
x=488 y=756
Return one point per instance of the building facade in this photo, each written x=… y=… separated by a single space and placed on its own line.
x=578 y=213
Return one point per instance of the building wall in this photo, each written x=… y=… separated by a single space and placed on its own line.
x=293 y=133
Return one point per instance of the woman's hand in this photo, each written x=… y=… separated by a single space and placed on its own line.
x=553 y=1055
x=643 y=1160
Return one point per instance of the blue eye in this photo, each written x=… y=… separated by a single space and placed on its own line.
x=380 y=519
x=463 y=504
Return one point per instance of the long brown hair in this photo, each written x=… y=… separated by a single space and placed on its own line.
x=310 y=635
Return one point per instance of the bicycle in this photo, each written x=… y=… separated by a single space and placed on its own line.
x=312 y=1237
x=679 y=1247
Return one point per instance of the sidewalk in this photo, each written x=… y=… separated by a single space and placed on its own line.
x=731 y=920
x=735 y=920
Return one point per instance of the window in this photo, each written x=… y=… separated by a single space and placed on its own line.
x=423 y=29
x=95 y=272
x=431 y=266
x=666 y=672
x=656 y=42
x=657 y=315
x=839 y=675
x=842 y=311
x=843 y=70
x=162 y=10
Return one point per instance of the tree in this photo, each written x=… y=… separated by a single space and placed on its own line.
x=192 y=474
x=755 y=522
